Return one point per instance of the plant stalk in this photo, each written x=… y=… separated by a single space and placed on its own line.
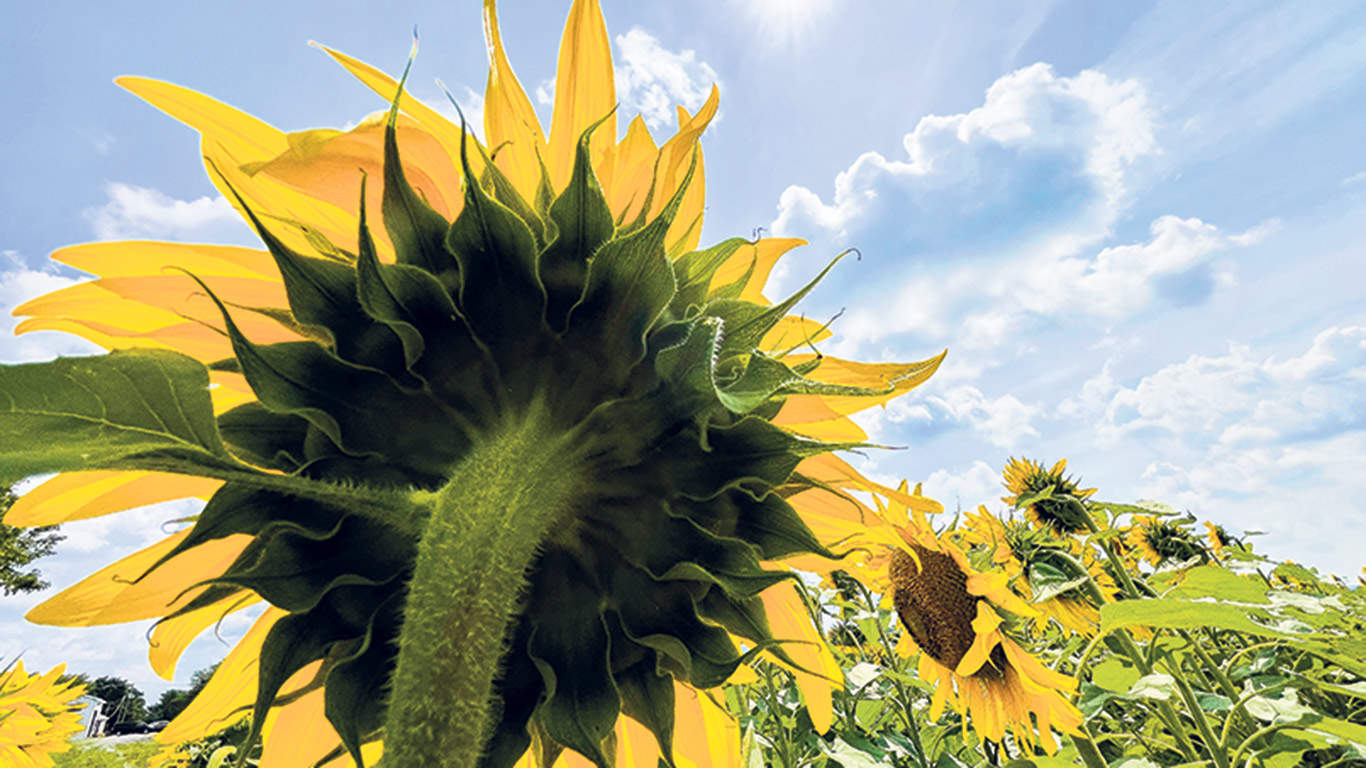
x=485 y=529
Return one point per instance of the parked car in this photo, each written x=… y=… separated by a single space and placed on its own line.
x=157 y=726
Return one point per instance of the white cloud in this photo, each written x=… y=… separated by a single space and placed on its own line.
x=134 y=212
x=1355 y=178
x=1033 y=126
x=18 y=284
x=979 y=484
x=651 y=79
x=1002 y=421
x=1240 y=400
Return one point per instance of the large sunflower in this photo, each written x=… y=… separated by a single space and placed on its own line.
x=952 y=615
x=38 y=716
x=505 y=452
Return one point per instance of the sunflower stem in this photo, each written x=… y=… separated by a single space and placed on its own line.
x=485 y=529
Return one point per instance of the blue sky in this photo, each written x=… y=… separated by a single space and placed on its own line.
x=1136 y=226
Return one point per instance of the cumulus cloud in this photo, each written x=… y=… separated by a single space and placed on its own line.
x=651 y=79
x=978 y=484
x=1038 y=141
x=1239 y=399
x=18 y=284
x=134 y=212
x=1003 y=421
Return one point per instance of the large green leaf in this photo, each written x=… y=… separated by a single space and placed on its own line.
x=1181 y=614
x=135 y=409
x=1210 y=581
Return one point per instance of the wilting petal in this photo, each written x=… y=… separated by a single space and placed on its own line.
x=820 y=673
x=584 y=91
x=705 y=735
x=510 y=126
x=229 y=693
x=171 y=637
x=110 y=597
x=81 y=495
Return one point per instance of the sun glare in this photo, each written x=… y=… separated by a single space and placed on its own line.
x=785 y=23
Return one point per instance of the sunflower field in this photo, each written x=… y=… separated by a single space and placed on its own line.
x=514 y=470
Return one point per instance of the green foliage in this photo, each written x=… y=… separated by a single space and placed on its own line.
x=124 y=703
x=19 y=547
x=128 y=755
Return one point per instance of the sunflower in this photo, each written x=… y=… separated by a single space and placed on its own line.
x=38 y=716
x=481 y=418
x=1158 y=540
x=1042 y=569
x=1049 y=498
x=952 y=615
x=1218 y=537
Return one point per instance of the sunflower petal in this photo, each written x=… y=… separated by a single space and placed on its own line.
x=585 y=91
x=511 y=128
x=81 y=495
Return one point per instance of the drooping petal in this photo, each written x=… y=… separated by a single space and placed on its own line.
x=585 y=91
x=511 y=129
x=171 y=637
x=81 y=495
x=229 y=694
x=705 y=735
x=110 y=595
x=820 y=673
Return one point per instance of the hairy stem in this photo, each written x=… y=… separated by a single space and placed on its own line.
x=485 y=529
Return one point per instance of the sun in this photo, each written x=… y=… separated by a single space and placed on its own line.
x=785 y=23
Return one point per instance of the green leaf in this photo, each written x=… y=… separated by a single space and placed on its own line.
x=630 y=282
x=498 y=272
x=1114 y=675
x=1181 y=614
x=1208 y=581
x=267 y=439
x=134 y=409
x=1158 y=687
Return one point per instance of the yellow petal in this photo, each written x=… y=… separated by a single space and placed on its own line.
x=675 y=157
x=705 y=735
x=813 y=416
x=510 y=125
x=81 y=495
x=632 y=166
x=170 y=638
x=232 y=687
x=585 y=91
x=445 y=131
x=821 y=672
x=298 y=733
x=329 y=166
x=636 y=746
x=232 y=142
x=791 y=332
x=109 y=596
x=986 y=637
x=758 y=260
x=137 y=258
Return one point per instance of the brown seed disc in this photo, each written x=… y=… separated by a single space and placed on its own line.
x=936 y=608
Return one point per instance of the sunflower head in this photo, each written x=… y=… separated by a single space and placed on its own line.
x=1049 y=498
x=1159 y=539
x=38 y=715
x=1218 y=537
x=560 y=309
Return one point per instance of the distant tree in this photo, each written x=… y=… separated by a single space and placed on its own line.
x=175 y=700
x=172 y=702
x=124 y=702
x=19 y=547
